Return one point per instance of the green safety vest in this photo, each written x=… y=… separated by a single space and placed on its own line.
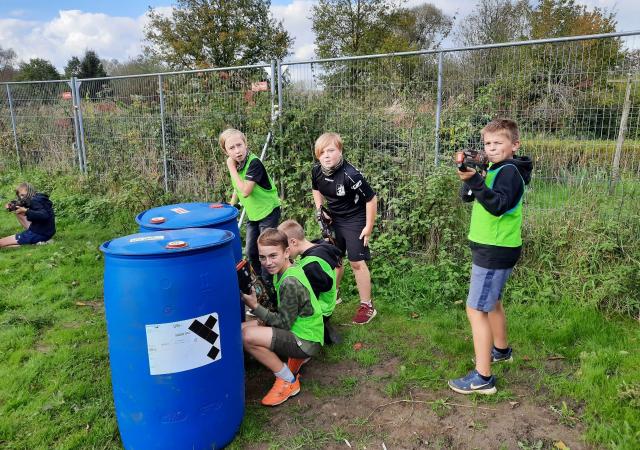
x=502 y=231
x=260 y=202
x=310 y=328
x=327 y=299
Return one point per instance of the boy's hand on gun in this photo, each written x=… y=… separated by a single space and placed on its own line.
x=466 y=174
x=251 y=300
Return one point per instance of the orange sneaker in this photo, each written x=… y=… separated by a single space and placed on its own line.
x=295 y=364
x=281 y=391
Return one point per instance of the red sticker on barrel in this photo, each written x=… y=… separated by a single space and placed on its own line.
x=180 y=210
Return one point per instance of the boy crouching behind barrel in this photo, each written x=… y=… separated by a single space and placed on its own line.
x=294 y=331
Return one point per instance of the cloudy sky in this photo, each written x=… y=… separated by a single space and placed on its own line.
x=57 y=30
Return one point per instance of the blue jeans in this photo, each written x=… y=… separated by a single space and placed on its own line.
x=253 y=231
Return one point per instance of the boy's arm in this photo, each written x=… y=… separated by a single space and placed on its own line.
x=318 y=278
x=318 y=198
x=466 y=194
x=505 y=194
x=292 y=295
x=37 y=213
x=371 y=211
x=234 y=198
x=246 y=186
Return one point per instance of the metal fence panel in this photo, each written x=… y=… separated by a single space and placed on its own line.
x=576 y=99
x=43 y=117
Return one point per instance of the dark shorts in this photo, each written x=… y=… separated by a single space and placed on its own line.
x=348 y=239
x=29 y=237
x=286 y=344
x=486 y=287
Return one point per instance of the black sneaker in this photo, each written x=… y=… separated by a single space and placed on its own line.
x=497 y=356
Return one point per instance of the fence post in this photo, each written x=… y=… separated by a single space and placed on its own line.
x=164 y=142
x=279 y=70
x=279 y=88
x=272 y=82
x=621 y=132
x=76 y=129
x=78 y=106
x=438 y=110
x=13 y=126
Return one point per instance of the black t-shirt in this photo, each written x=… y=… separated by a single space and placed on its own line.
x=258 y=174
x=346 y=191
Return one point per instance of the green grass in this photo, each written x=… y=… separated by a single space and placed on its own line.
x=55 y=387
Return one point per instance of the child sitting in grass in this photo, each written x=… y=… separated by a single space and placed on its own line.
x=294 y=330
x=34 y=212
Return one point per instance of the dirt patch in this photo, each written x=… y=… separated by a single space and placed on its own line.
x=368 y=418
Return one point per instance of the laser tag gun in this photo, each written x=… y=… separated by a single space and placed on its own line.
x=472 y=159
x=18 y=203
x=248 y=279
x=324 y=219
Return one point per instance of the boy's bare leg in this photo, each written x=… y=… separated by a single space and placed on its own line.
x=498 y=323
x=23 y=221
x=339 y=275
x=482 y=340
x=257 y=341
x=363 y=279
x=9 y=241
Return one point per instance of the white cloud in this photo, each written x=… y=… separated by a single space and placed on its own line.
x=296 y=20
x=71 y=33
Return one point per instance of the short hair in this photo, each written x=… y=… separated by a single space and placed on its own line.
x=507 y=126
x=292 y=229
x=325 y=140
x=273 y=238
x=226 y=134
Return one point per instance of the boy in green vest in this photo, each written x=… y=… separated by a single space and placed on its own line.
x=496 y=244
x=319 y=260
x=253 y=187
x=294 y=330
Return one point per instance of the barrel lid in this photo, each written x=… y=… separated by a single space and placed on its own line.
x=167 y=242
x=186 y=215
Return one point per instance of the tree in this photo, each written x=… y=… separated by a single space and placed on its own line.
x=217 y=33
x=72 y=69
x=141 y=64
x=355 y=27
x=556 y=18
x=494 y=21
x=424 y=26
x=37 y=69
x=91 y=66
x=7 y=61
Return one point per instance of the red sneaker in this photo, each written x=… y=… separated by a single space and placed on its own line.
x=295 y=364
x=281 y=391
x=364 y=314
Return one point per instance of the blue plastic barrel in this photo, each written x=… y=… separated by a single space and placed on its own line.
x=193 y=215
x=175 y=342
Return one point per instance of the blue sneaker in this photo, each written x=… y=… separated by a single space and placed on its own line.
x=473 y=382
x=496 y=356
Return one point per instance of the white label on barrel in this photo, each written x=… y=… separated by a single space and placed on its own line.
x=180 y=210
x=147 y=238
x=184 y=345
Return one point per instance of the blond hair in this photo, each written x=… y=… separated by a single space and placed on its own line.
x=292 y=229
x=325 y=140
x=507 y=126
x=226 y=134
x=273 y=238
